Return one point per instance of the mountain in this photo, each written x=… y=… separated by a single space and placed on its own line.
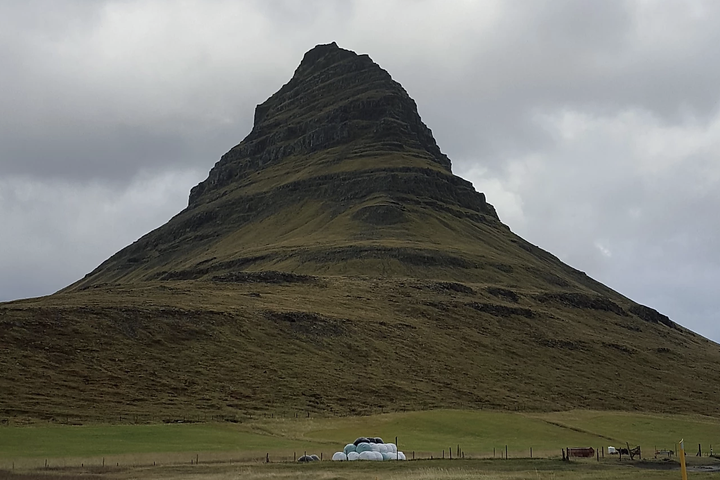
x=331 y=262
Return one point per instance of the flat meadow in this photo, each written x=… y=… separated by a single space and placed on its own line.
x=224 y=450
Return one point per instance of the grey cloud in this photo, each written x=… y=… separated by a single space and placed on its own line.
x=104 y=116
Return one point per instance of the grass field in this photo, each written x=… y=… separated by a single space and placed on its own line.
x=418 y=470
x=424 y=434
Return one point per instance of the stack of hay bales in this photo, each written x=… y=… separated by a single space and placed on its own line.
x=369 y=448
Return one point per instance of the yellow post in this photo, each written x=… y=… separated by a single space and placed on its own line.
x=681 y=452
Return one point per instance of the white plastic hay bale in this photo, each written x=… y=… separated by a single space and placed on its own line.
x=401 y=455
x=352 y=456
x=377 y=456
x=389 y=456
x=392 y=448
x=350 y=447
x=382 y=448
x=367 y=455
x=339 y=457
x=363 y=447
x=374 y=447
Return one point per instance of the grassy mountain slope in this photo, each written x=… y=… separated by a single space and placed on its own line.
x=340 y=345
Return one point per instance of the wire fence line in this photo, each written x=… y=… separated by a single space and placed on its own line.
x=452 y=453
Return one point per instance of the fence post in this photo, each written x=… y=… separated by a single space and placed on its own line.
x=506 y=452
x=530 y=452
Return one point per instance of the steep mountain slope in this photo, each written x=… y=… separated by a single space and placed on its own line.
x=332 y=262
x=338 y=176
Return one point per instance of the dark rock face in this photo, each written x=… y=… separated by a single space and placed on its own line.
x=335 y=98
x=651 y=315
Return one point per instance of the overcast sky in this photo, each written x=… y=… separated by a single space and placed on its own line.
x=593 y=127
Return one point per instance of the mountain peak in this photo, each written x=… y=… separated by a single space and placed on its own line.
x=321 y=56
x=336 y=98
x=338 y=170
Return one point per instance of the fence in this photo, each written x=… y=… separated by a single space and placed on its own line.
x=452 y=453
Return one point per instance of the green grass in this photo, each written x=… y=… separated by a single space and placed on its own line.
x=427 y=433
x=642 y=428
x=89 y=441
x=479 y=432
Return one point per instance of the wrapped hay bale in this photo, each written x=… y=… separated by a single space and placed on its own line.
x=371 y=456
x=392 y=448
x=350 y=447
x=401 y=455
x=306 y=458
x=383 y=448
x=363 y=447
x=360 y=440
x=389 y=456
x=376 y=440
x=339 y=457
x=315 y=458
x=352 y=456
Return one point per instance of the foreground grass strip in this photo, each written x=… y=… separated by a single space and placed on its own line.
x=419 y=470
x=90 y=441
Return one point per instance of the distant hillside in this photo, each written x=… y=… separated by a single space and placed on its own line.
x=331 y=262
